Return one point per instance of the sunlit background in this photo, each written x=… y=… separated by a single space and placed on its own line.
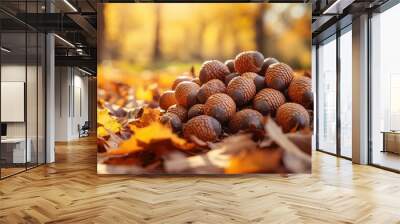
x=153 y=43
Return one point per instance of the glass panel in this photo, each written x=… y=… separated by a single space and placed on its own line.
x=327 y=96
x=13 y=76
x=385 y=84
x=346 y=94
x=31 y=97
x=41 y=98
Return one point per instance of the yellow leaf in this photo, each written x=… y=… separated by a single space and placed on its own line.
x=156 y=131
x=101 y=131
x=108 y=122
x=144 y=94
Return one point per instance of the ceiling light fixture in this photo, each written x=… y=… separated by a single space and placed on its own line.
x=5 y=50
x=70 y=5
x=84 y=71
x=337 y=7
x=65 y=41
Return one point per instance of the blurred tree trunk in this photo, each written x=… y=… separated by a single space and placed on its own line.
x=259 y=28
x=157 y=36
x=198 y=50
x=220 y=42
x=236 y=40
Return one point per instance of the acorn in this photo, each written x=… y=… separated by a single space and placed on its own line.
x=249 y=61
x=229 y=77
x=203 y=127
x=196 y=110
x=172 y=120
x=220 y=106
x=258 y=80
x=292 y=117
x=241 y=89
x=307 y=74
x=186 y=93
x=179 y=110
x=268 y=100
x=213 y=70
x=210 y=88
x=197 y=81
x=167 y=99
x=300 y=91
x=230 y=64
x=246 y=119
x=180 y=79
x=267 y=62
x=278 y=76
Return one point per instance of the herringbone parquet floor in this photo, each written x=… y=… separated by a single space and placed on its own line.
x=70 y=191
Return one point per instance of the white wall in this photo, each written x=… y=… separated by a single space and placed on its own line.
x=33 y=127
x=71 y=102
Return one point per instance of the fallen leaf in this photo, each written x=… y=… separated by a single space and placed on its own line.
x=107 y=121
x=156 y=132
x=101 y=131
x=145 y=117
x=255 y=161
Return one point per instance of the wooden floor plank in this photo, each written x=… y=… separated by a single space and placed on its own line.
x=70 y=191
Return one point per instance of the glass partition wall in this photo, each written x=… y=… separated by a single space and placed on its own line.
x=345 y=92
x=22 y=77
x=385 y=89
x=334 y=94
x=327 y=95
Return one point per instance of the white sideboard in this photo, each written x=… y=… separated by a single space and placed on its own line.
x=18 y=149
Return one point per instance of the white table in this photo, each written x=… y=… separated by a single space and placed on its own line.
x=18 y=145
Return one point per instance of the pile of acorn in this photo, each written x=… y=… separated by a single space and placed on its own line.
x=237 y=95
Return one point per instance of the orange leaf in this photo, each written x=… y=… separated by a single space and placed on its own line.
x=126 y=147
x=255 y=161
x=148 y=116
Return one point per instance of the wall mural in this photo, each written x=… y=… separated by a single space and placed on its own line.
x=204 y=88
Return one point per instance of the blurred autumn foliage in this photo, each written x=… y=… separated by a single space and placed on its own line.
x=153 y=43
x=153 y=33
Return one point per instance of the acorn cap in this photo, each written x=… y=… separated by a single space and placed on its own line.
x=300 y=91
x=248 y=61
x=278 y=76
x=241 y=90
x=196 y=110
x=229 y=77
x=203 y=127
x=180 y=79
x=186 y=93
x=307 y=73
x=231 y=65
x=258 y=80
x=246 y=119
x=268 y=100
x=172 y=120
x=213 y=69
x=197 y=81
x=210 y=88
x=292 y=117
x=220 y=106
x=267 y=62
x=167 y=99
x=179 y=110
